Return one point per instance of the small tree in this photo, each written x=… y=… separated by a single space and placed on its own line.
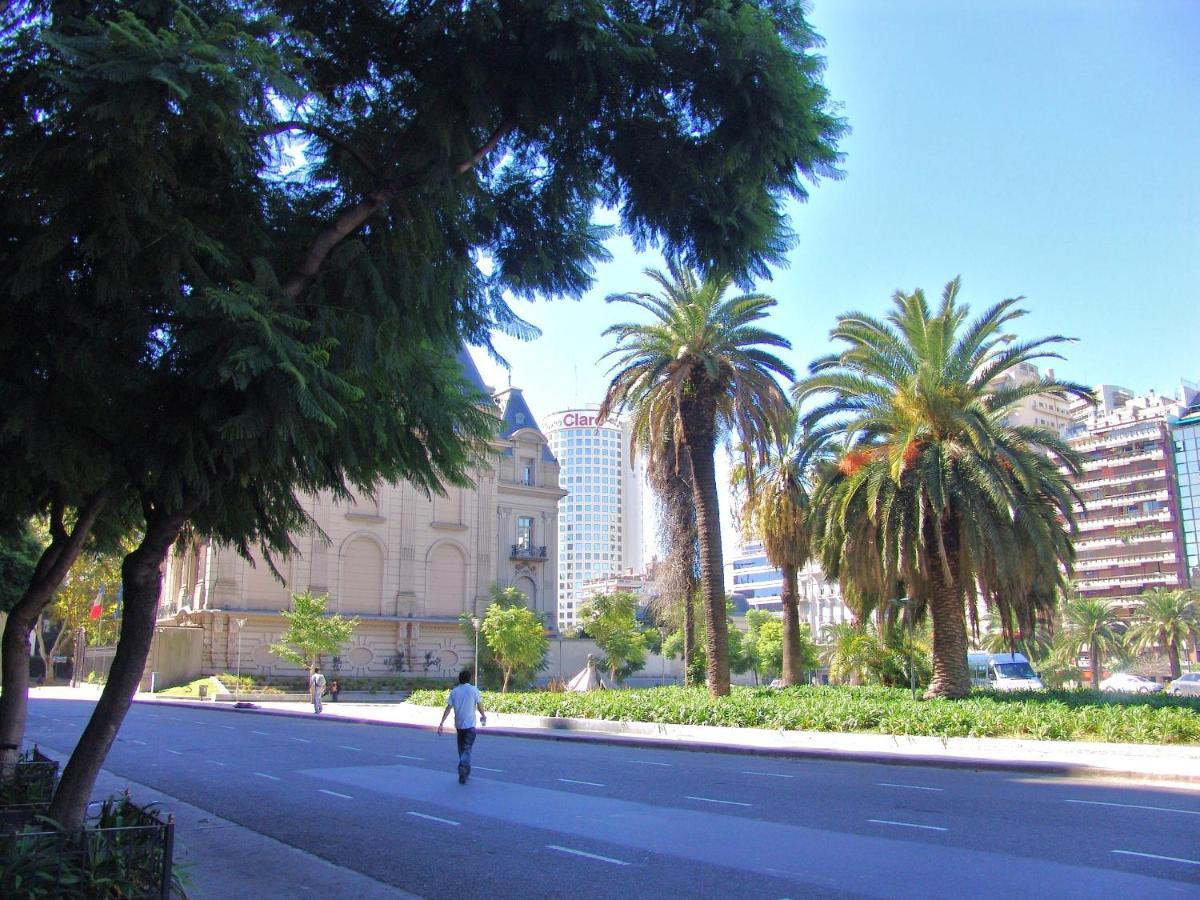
x=489 y=669
x=765 y=643
x=1092 y=626
x=611 y=619
x=517 y=638
x=311 y=633
x=1165 y=619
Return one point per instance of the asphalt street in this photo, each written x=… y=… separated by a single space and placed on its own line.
x=562 y=819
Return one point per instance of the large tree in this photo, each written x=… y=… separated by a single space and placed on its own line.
x=696 y=373
x=775 y=510
x=195 y=325
x=934 y=488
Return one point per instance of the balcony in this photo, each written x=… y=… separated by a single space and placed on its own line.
x=525 y=551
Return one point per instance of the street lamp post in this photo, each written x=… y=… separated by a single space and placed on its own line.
x=475 y=625
x=241 y=623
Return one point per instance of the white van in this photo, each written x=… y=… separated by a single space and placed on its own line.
x=1003 y=672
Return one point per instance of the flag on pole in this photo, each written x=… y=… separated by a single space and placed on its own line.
x=120 y=600
x=97 y=604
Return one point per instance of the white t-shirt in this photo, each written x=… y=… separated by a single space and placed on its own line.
x=463 y=698
x=317 y=682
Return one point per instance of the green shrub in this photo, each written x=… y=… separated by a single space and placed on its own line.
x=1042 y=715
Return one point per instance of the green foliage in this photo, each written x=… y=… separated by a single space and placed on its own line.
x=1045 y=715
x=611 y=619
x=490 y=671
x=311 y=633
x=1166 y=619
x=19 y=552
x=1092 y=627
x=517 y=638
x=764 y=640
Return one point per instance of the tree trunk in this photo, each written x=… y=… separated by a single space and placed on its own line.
x=698 y=437
x=689 y=636
x=141 y=581
x=1173 y=659
x=53 y=566
x=504 y=684
x=793 y=660
x=951 y=677
x=1095 y=661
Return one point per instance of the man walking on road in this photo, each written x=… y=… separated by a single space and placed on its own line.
x=316 y=687
x=464 y=700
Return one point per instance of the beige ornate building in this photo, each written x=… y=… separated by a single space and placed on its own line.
x=405 y=565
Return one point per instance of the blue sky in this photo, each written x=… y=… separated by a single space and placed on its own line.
x=1044 y=148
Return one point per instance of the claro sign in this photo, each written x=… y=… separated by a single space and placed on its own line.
x=578 y=419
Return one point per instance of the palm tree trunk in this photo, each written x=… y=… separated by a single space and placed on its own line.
x=141 y=582
x=1095 y=661
x=1173 y=658
x=951 y=677
x=689 y=637
x=793 y=662
x=698 y=437
x=56 y=560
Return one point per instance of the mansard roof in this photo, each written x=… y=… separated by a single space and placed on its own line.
x=471 y=371
x=516 y=413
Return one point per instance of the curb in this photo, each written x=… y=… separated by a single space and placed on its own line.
x=584 y=730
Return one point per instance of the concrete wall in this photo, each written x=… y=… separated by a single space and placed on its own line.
x=174 y=657
x=568 y=656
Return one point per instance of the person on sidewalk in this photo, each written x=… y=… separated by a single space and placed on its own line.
x=316 y=687
x=334 y=689
x=464 y=700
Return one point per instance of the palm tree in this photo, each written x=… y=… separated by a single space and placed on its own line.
x=695 y=374
x=853 y=653
x=1167 y=619
x=776 y=511
x=934 y=488
x=1090 y=625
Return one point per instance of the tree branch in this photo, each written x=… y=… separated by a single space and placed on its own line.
x=353 y=218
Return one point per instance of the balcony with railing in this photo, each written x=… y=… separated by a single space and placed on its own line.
x=528 y=552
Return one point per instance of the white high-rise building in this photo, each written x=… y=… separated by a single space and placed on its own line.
x=600 y=519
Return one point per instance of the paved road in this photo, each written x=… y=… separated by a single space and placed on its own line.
x=561 y=819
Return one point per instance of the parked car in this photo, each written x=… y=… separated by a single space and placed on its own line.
x=1185 y=684
x=1130 y=683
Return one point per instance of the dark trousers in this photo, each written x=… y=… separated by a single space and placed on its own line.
x=466 y=740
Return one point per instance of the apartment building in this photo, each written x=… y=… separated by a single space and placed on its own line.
x=1040 y=410
x=1130 y=535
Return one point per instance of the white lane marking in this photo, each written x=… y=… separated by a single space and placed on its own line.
x=433 y=818
x=911 y=787
x=769 y=774
x=486 y=769
x=908 y=824
x=335 y=794
x=646 y=762
x=197 y=722
x=344 y=747
x=134 y=741
x=175 y=718
x=596 y=856
x=258 y=732
x=153 y=716
x=574 y=781
x=230 y=727
x=301 y=740
x=1186 y=812
x=1190 y=862
x=711 y=800
x=176 y=752
x=418 y=758
x=215 y=763
x=265 y=775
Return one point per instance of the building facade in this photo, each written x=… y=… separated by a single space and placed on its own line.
x=1185 y=435
x=761 y=584
x=406 y=565
x=1040 y=410
x=600 y=518
x=1130 y=536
